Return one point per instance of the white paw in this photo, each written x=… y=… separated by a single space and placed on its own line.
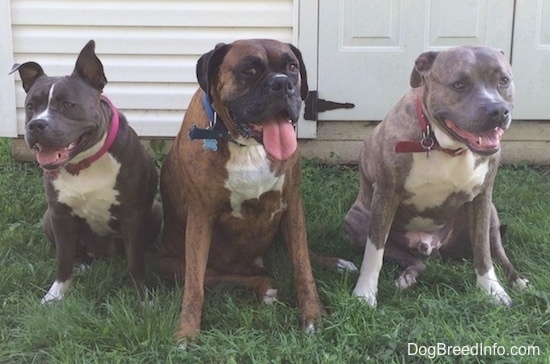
x=310 y=329
x=182 y=345
x=367 y=295
x=57 y=291
x=345 y=266
x=502 y=298
x=490 y=284
x=520 y=284
x=405 y=281
x=270 y=296
x=80 y=268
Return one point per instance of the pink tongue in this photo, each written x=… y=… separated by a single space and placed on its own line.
x=279 y=138
x=487 y=140
x=49 y=156
x=492 y=138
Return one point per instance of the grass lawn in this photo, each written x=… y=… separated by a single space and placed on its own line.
x=102 y=320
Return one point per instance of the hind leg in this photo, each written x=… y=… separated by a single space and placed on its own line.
x=497 y=251
x=154 y=222
x=357 y=224
x=260 y=284
x=412 y=265
x=171 y=253
x=339 y=264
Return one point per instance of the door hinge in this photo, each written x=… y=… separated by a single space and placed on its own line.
x=315 y=105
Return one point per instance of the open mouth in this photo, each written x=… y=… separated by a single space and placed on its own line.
x=277 y=135
x=487 y=142
x=53 y=158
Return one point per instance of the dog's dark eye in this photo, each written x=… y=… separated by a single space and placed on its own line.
x=292 y=67
x=68 y=105
x=504 y=81
x=29 y=107
x=459 y=85
x=250 y=71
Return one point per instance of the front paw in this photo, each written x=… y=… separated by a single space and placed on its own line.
x=270 y=296
x=368 y=295
x=501 y=298
x=57 y=291
x=312 y=311
x=490 y=284
x=310 y=328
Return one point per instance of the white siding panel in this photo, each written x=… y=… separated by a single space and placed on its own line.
x=148 y=48
x=221 y=13
x=135 y=41
x=8 y=127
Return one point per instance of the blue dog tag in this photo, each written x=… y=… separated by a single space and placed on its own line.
x=210 y=144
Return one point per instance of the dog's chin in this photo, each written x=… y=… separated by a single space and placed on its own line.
x=486 y=143
x=52 y=158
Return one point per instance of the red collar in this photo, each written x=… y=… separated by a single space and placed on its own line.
x=428 y=141
x=111 y=136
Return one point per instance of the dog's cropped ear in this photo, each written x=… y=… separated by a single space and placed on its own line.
x=29 y=72
x=207 y=66
x=89 y=67
x=303 y=73
x=422 y=66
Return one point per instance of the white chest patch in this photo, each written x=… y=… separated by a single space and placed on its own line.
x=91 y=193
x=431 y=180
x=249 y=175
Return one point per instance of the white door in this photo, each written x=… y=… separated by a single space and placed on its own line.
x=367 y=48
x=531 y=59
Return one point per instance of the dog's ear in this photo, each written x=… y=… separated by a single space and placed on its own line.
x=29 y=72
x=303 y=73
x=89 y=67
x=422 y=66
x=207 y=66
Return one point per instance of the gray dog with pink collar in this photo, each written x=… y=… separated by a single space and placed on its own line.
x=99 y=181
x=427 y=172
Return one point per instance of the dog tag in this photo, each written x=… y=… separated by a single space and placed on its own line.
x=210 y=144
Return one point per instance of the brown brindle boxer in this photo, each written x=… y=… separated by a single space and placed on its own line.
x=231 y=181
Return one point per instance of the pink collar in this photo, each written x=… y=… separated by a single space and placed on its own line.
x=428 y=141
x=111 y=136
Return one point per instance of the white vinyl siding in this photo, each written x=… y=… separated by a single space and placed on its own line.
x=148 y=48
x=8 y=124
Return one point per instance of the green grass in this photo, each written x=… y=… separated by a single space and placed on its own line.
x=102 y=320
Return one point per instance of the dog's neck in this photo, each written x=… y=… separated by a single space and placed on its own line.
x=111 y=136
x=428 y=141
x=215 y=131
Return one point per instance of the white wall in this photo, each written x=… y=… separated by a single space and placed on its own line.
x=148 y=48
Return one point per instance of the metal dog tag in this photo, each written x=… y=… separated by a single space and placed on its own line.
x=210 y=144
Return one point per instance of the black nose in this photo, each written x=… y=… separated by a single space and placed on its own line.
x=281 y=84
x=499 y=113
x=37 y=126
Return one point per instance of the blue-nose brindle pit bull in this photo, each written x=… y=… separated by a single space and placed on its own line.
x=99 y=181
x=427 y=171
